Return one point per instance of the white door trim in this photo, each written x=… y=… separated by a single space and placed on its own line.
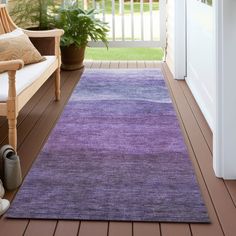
x=224 y=156
x=180 y=40
x=224 y=129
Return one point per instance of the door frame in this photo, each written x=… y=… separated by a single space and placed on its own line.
x=224 y=160
x=224 y=130
x=180 y=56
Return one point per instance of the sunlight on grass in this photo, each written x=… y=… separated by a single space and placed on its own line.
x=124 y=54
x=127 y=6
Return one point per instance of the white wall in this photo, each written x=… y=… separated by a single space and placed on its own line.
x=201 y=56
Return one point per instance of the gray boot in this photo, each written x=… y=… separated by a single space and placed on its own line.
x=12 y=172
x=11 y=168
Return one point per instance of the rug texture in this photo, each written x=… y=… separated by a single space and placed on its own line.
x=116 y=153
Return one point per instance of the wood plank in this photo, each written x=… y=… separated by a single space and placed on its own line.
x=141 y=64
x=123 y=64
x=169 y=229
x=114 y=64
x=105 y=64
x=89 y=228
x=214 y=228
x=67 y=228
x=132 y=64
x=149 y=64
x=231 y=186
x=12 y=227
x=96 y=64
x=223 y=203
x=202 y=123
x=146 y=229
x=88 y=63
x=157 y=64
x=120 y=229
x=41 y=227
x=2 y=120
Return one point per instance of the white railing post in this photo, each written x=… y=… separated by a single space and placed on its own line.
x=113 y=21
x=141 y=14
x=132 y=18
x=143 y=25
x=103 y=10
x=162 y=10
x=122 y=20
x=151 y=20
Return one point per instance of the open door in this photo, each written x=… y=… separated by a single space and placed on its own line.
x=201 y=55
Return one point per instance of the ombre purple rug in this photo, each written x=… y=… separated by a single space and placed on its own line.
x=117 y=153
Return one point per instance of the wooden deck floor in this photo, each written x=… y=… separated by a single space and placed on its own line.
x=40 y=115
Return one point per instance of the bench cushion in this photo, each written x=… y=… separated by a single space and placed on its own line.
x=24 y=77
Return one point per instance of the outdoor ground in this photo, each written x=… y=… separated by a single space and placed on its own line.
x=124 y=54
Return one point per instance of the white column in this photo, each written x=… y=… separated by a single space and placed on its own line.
x=176 y=33
x=224 y=156
x=180 y=39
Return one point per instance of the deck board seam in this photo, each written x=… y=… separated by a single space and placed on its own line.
x=108 y=227
x=26 y=228
x=234 y=203
x=55 y=229
x=203 y=134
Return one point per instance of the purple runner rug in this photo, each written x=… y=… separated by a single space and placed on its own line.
x=116 y=153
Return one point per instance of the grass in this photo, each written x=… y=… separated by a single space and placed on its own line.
x=127 y=7
x=108 y=6
x=124 y=54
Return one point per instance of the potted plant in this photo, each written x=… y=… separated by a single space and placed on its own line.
x=79 y=26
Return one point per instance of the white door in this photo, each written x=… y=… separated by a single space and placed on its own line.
x=200 y=55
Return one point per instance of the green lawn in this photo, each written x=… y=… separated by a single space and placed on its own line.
x=127 y=7
x=124 y=54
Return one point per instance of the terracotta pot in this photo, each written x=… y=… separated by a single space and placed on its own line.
x=72 y=57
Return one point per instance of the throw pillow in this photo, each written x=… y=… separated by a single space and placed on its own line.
x=19 y=47
x=14 y=33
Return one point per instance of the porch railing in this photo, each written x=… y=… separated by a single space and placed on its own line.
x=132 y=23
